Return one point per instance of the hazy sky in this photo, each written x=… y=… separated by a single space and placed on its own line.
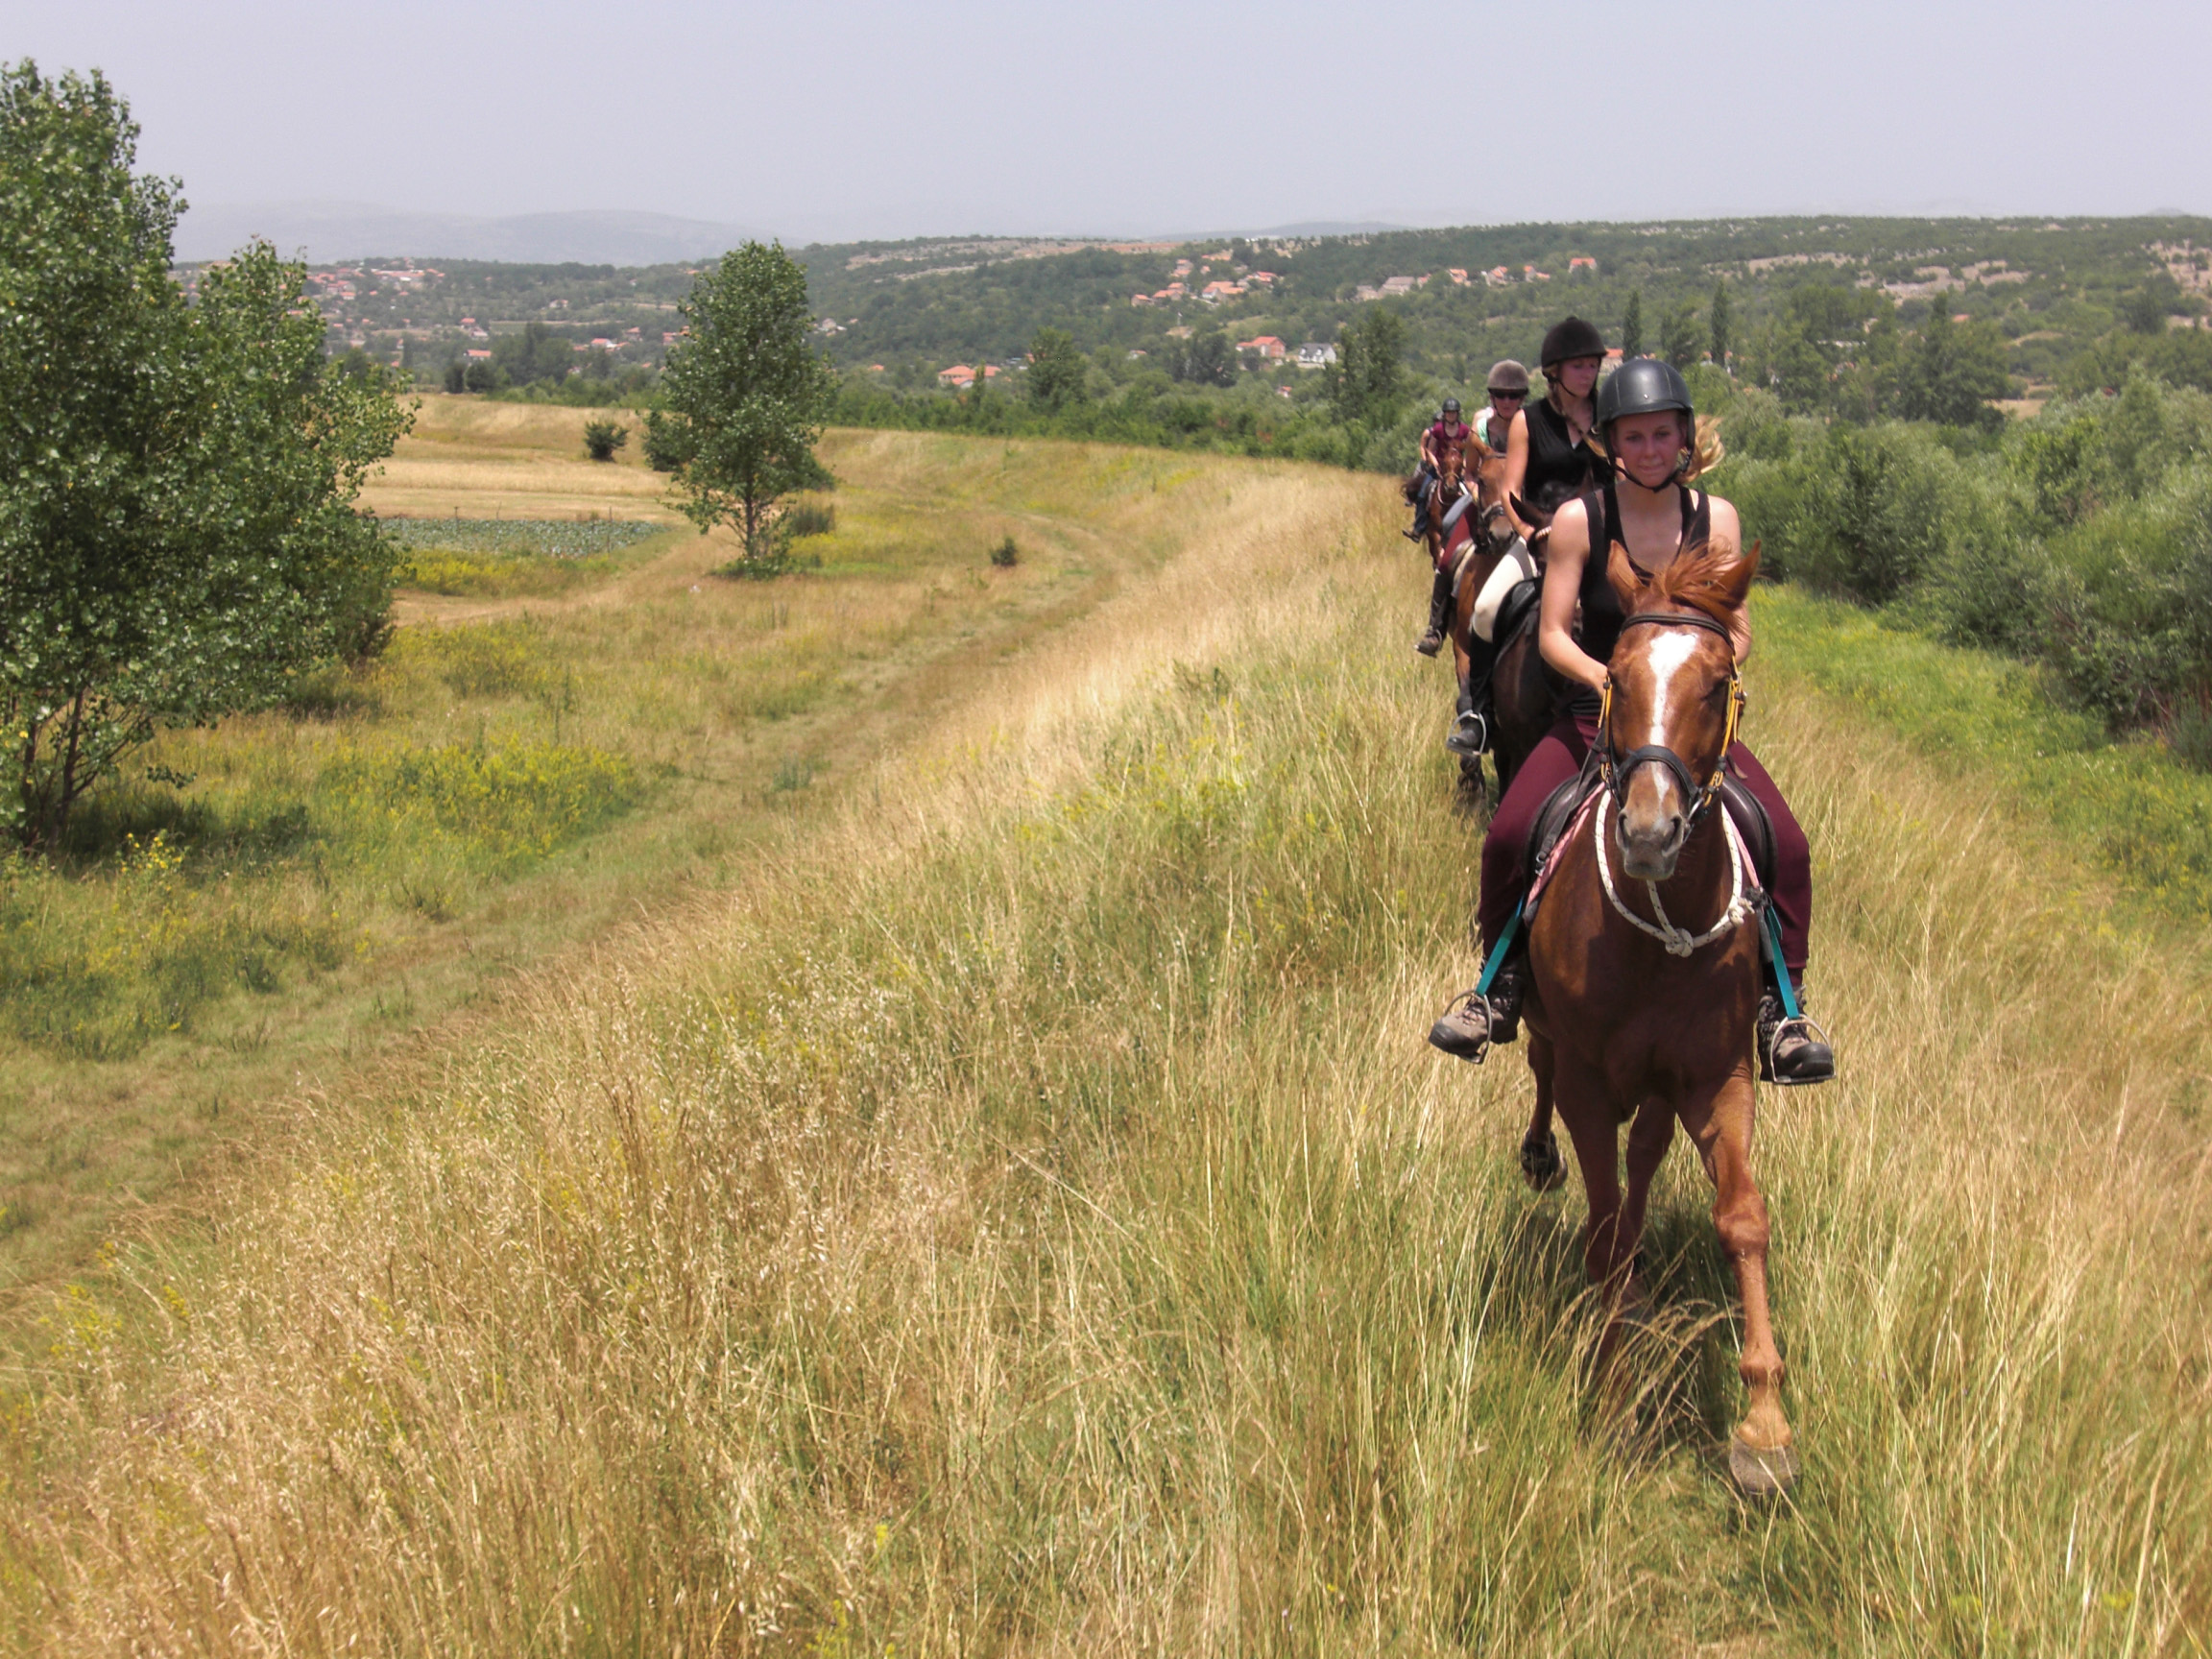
x=846 y=120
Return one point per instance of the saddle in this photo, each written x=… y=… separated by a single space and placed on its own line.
x=1564 y=806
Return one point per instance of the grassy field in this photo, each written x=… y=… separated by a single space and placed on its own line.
x=518 y=770
x=1014 y=1211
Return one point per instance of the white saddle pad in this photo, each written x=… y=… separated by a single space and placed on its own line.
x=1518 y=565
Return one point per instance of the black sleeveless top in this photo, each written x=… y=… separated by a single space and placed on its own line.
x=1602 y=613
x=1560 y=469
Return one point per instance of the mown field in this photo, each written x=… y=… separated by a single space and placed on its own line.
x=1005 y=1205
x=545 y=746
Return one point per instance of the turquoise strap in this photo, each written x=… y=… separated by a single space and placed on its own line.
x=1773 y=930
x=1497 y=955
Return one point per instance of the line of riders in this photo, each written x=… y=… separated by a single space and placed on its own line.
x=1587 y=470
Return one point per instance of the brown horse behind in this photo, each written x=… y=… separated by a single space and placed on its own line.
x=1625 y=1027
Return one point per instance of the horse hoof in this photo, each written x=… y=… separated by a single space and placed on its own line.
x=1761 y=1474
x=1541 y=1165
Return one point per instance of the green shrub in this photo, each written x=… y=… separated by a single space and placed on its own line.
x=810 y=519
x=1006 y=555
x=602 y=438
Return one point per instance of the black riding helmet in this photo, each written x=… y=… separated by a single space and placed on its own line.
x=1570 y=337
x=1643 y=386
x=1451 y=405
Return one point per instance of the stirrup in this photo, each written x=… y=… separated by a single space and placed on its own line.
x=1816 y=1062
x=1463 y=1029
x=1470 y=734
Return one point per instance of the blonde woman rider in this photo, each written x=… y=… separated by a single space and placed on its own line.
x=1645 y=505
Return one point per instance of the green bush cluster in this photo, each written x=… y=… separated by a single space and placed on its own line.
x=2079 y=541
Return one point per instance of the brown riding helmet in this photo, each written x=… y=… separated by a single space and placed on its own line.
x=1508 y=375
x=1570 y=337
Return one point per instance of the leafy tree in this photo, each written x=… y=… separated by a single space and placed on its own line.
x=1633 y=325
x=1207 y=359
x=1678 y=341
x=1368 y=380
x=456 y=376
x=481 y=376
x=1797 y=369
x=602 y=438
x=1057 y=369
x=1717 y=313
x=177 y=535
x=747 y=394
x=668 y=444
x=1949 y=370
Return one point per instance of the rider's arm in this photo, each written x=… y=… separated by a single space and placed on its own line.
x=1728 y=532
x=1517 y=471
x=1562 y=592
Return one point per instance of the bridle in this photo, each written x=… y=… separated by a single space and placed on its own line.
x=1614 y=769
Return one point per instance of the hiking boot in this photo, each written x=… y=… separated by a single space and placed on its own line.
x=1791 y=1052
x=1416 y=534
x=1474 y=1022
x=1470 y=733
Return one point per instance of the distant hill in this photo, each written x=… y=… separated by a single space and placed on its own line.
x=335 y=231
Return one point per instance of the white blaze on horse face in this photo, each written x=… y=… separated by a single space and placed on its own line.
x=1670 y=655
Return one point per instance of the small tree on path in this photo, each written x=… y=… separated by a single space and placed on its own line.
x=747 y=397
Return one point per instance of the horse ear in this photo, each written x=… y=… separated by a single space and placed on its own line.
x=1737 y=575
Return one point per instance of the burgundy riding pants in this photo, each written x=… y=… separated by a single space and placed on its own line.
x=1557 y=759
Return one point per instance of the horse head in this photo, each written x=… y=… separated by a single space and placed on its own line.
x=1672 y=710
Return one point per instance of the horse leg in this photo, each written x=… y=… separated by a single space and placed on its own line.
x=1541 y=1165
x=1650 y=1136
x=1761 y=1457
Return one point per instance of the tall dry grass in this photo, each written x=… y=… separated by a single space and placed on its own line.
x=1024 y=1218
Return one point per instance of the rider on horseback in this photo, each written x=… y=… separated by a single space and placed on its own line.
x=1507 y=384
x=1443 y=455
x=1443 y=451
x=1548 y=458
x=1645 y=508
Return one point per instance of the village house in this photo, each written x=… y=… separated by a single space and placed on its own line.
x=1581 y=262
x=1214 y=292
x=1458 y=276
x=1497 y=277
x=1315 y=355
x=1267 y=347
x=1530 y=274
x=960 y=376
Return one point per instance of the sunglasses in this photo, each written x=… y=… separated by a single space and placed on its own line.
x=1507 y=397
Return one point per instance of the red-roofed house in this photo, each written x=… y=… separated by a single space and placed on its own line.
x=1458 y=276
x=1270 y=349
x=1581 y=263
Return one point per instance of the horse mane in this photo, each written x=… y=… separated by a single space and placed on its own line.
x=1710 y=578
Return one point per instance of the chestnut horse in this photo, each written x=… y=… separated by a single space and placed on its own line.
x=1643 y=966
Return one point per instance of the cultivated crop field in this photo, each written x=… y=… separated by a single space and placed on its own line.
x=952 y=1167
